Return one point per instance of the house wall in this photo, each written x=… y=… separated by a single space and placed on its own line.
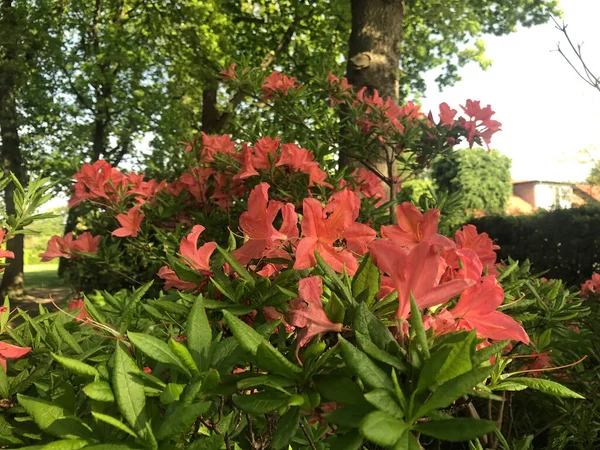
x=526 y=191
x=544 y=196
x=549 y=196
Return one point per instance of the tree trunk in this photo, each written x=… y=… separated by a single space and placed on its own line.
x=12 y=280
x=374 y=53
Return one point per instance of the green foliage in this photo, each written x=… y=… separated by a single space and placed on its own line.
x=563 y=243
x=482 y=178
x=594 y=176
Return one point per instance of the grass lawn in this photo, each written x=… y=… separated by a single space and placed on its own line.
x=42 y=276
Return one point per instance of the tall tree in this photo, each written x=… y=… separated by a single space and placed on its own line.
x=482 y=178
x=24 y=42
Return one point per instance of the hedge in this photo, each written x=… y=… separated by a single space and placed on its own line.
x=565 y=242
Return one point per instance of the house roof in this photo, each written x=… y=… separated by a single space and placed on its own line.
x=516 y=205
x=513 y=182
x=587 y=190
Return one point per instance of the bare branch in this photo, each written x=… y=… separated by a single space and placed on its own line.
x=584 y=72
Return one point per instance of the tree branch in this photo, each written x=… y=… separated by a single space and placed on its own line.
x=587 y=76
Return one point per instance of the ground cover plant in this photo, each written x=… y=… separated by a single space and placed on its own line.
x=261 y=300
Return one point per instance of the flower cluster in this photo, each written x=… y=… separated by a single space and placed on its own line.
x=69 y=247
x=591 y=288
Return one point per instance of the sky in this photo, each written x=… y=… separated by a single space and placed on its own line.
x=548 y=113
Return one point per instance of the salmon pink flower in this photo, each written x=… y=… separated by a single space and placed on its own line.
x=265 y=152
x=441 y=323
x=173 y=281
x=277 y=83
x=480 y=123
x=462 y=263
x=480 y=244
x=67 y=246
x=294 y=156
x=8 y=351
x=307 y=312
x=247 y=160
x=591 y=286
x=4 y=253
x=214 y=144
x=97 y=181
x=79 y=305
x=130 y=223
x=541 y=361
x=301 y=160
x=324 y=228
x=369 y=184
x=476 y=310
x=415 y=227
x=271 y=314
x=415 y=272
x=228 y=74
x=257 y=224
x=447 y=115
x=197 y=258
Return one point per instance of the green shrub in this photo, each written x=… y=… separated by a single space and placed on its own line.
x=564 y=242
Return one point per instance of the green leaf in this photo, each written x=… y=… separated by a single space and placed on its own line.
x=236 y=266
x=286 y=428
x=53 y=419
x=246 y=336
x=349 y=441
x=382 y=429
x=185 y=357
x=76 y=366
x=68 y=338
x=385 y=401
x=199 y=335
x=67 y=444
x=456 y=429
x=335 y=309
x=416 y=322
x=332 y=278
x=171 y=393
x=363 y=367
x=261 y=403
x=380 y=355
x=99 y=391
x=408 y=441
x=4 y=386
x=349 y=416
x=214 y=442
x=546 y=386
x=508 y=385
x=486 y=353
x=453 y=389
x=128 y=313
x=113 y=422
x=366 y=281
x=156 y=349
x=271 y=359
x=111 y=446
x=129 y=394
x=369 y=325
x=181 y=419
x=335 y=388
x=451 y=359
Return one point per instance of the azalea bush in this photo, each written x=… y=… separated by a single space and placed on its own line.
x=282 y=305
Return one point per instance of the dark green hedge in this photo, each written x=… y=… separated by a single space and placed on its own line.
x=566 y=242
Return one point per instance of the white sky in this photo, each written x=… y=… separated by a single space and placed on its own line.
x=548 y=113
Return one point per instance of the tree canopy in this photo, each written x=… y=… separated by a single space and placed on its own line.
x=482 y=178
